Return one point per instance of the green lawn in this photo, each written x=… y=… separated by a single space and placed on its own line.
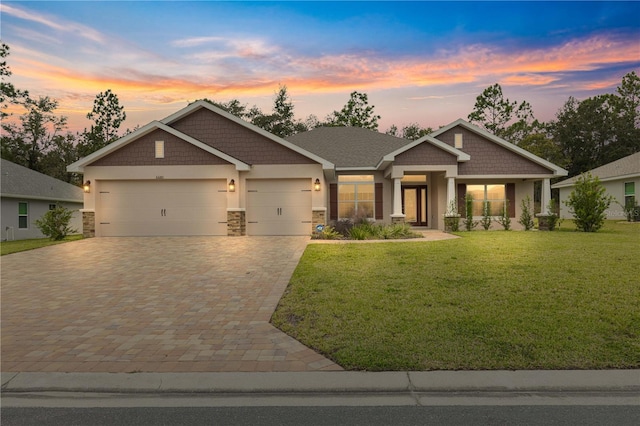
x=489 y=300
x=8 y=247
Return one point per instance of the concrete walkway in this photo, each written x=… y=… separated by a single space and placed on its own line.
x=177 y=304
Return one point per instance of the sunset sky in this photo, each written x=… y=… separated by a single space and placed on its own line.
x=419 y=62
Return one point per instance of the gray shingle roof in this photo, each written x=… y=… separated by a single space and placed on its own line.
x=626 y=166
x=19 y=181
x=348 y=146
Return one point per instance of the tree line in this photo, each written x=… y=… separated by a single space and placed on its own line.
x=584 y=135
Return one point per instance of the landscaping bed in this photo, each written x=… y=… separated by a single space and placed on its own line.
x=489 y=300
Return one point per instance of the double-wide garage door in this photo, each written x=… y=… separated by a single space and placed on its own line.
x=279 y=207
x=162 y=207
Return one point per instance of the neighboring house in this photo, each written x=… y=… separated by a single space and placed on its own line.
x=203 y=171
x=27 y=195
x=621 y=179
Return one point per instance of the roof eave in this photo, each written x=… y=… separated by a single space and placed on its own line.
x=42 y=198
x=78 y=166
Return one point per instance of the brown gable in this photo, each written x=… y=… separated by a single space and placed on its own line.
x=489 y=158
x=141 y=152
x=426 y=154
x=235 y=140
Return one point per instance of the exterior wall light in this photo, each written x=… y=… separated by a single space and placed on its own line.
x=87 y=186
x=316 y=185
x=232 y=185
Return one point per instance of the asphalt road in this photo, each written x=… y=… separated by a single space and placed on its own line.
x=484 y=408
x=309 y=416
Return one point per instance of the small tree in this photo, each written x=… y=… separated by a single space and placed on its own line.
x=469 y=223
x=588 y=203
x=526 y=217
x=504 y=218
x=486 y=216
x=451 y=217
x=55 y=223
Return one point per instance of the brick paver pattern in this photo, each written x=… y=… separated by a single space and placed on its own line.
x=174 y=304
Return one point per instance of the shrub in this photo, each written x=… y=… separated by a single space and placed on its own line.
x=553 y=217
x=486 y=216
x=397 y=231
x=343 y=226
x=55 y=223
x=359 y=232
x=327 y=233
x=526 y=217
x=631 y=210
x=588 y=203
x=469 y=223
x=504 y=218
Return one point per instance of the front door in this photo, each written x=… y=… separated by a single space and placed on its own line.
x=414 y=205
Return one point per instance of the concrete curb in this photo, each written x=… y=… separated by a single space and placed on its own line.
x=328 y=382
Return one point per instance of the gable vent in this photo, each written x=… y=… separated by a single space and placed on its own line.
x=457 y=141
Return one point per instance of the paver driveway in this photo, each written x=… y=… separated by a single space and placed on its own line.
x=175 y=304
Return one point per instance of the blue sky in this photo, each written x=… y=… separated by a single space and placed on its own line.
x=419 y=62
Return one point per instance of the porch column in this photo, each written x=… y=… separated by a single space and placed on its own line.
x=397 y=197
x=546 y=196
x=451 y=192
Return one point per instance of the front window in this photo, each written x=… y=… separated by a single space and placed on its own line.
x=356 y=196
x=23 y=216
x=494 y=194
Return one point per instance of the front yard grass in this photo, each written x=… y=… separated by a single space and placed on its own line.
x=489 y=300
x=8 y=247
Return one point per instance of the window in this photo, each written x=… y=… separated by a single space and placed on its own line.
x=159 y=149
x=23 y=216
x=356 y=196
x=52 y=206
x=629 y=194
x=457 y=142
x=495 y=194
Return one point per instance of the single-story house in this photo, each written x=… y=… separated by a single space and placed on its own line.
x=621 y=179
x=203 y=171
x=27 y=195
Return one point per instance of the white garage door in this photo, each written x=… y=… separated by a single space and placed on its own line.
x=162 y=207
x=279 y=207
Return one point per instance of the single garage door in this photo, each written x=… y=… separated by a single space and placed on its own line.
x=279 y=207
x=162 y=207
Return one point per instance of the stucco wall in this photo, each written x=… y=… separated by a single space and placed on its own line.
x=615 y=188
x=36 y=208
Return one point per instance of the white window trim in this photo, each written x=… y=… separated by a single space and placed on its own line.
x=23 y=215
x=624 y=190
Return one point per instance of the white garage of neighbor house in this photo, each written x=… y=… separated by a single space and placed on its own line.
x=203 y=171
x=621 y=180
x=27 y=195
